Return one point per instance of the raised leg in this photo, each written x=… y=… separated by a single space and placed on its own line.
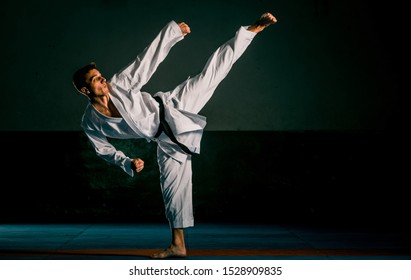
x=265 y=20
x=194 y=93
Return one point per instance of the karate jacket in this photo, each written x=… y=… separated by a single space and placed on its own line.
x=140 y=111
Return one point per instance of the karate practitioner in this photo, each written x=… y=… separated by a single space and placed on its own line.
x=118 y=108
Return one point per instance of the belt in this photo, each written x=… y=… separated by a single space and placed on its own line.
x=165 y=127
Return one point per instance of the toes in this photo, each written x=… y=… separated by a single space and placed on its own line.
x=168 y=253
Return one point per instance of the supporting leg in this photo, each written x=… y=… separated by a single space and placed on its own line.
x=176 y=189
x=177 y=247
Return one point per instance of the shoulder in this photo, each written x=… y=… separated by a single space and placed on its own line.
x=90 y=119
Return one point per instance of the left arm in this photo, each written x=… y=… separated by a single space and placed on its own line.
x=138 y=72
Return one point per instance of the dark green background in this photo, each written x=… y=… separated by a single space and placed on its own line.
x=325 y=178
x=309 y=126
x=325 y=65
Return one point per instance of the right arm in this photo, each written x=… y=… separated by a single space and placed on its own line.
x=105 y=150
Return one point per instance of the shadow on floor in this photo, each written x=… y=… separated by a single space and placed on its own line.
x=204 y=241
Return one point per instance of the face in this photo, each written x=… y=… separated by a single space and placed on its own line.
x=96 y=84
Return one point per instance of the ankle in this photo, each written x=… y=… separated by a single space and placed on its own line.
x=178 y=245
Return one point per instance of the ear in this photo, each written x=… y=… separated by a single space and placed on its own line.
x=84 y=90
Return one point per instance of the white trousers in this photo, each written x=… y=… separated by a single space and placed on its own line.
x=191 y=96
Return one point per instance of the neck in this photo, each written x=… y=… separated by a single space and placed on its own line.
x=104 y=105
x=102 y=100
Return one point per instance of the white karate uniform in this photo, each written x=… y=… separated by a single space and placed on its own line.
x=140 y=116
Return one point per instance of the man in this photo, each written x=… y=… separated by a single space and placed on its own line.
x=119 y=109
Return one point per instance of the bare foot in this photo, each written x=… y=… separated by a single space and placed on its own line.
x=170 y=252
x=265 y=20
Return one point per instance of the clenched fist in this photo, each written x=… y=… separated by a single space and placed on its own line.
x=185 y=29
x=137 y=164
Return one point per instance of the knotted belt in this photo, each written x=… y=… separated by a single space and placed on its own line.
x=165 y=127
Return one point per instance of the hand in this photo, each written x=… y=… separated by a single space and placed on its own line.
x=185 y=29
x=137 y=164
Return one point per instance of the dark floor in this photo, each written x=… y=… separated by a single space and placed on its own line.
x=204 y=241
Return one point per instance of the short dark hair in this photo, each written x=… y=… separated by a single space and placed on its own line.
x=79 y=79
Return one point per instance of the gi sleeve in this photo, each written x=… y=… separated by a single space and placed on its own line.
x=138 y=72
x=105 y=150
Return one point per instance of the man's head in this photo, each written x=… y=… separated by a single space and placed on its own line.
x=88 y=80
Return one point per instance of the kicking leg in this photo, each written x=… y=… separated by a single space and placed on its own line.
x=194 y=93
x=265 y=20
